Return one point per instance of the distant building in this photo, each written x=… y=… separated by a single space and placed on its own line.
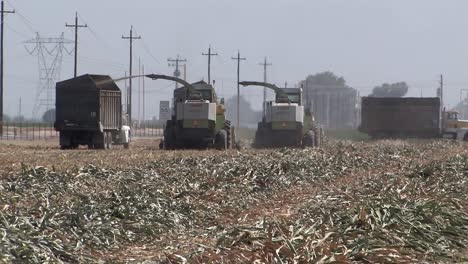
x=334 y=107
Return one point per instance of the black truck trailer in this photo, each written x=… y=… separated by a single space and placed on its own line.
x=395 y=117
x=89 y=112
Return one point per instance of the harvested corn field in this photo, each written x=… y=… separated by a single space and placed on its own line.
x=378 y=202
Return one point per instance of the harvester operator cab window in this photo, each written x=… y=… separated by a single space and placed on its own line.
x=282 y=99
x=206 y=94
x=452 y=116
x=293 y=98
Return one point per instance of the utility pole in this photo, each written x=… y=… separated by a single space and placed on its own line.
x=76 y=26
x=139 y=90
x=2 y=14
x=265 y=64
x=175 y=63
x=129 y=107
x=442 y=91
x=19 y=108
x=143 y=97
x=307 y=100
x=209 y=54
x=463 y=102
x=238 y=89
x=441 y=96
x=126 y=92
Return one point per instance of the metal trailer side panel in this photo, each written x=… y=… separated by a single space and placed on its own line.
x=76 y=109
x=110 y=110
x=86 y=101
x=400 y=117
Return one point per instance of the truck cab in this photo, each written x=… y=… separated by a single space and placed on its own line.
x=453 y=127
x=450 y=119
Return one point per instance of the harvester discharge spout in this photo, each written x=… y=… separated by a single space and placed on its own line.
x=275 y=88
x=187 y=85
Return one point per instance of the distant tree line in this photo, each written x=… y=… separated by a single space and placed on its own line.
x=398 y=89
x=325 y=79
x=47 y=117
x=331 y=80
x=248 y=116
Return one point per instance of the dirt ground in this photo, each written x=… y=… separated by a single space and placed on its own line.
x=279 y=204
x=48 y=154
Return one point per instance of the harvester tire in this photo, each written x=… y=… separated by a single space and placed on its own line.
x=259 y=140
x=227 y=128
x=221 y=140
x=169 y=142
x=465 y=137
x=309 y=140
x=161 y=144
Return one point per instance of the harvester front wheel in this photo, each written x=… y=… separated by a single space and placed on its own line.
x=169 y=142
x=260 y=134
x=227 y=128
x=221 y=140
x=308 y=140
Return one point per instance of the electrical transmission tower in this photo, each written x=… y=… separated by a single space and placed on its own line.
x=49 y=52
x=176 y=63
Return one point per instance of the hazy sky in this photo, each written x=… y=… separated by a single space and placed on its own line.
x=368 y=42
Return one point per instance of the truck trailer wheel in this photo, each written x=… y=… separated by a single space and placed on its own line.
x=221 y=140
x=99 y=140
x=65 y=140
x=108 y=140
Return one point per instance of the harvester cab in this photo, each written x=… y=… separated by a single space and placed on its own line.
x=453 y=127
x=198 y=119
x=285 y=121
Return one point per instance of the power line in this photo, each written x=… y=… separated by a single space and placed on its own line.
x=238 y=89
x=24 y=19
x=147 y=50
x=129 y=107
x=76 y=26
x=2 y=15
x=16 y=31
x=209 y=54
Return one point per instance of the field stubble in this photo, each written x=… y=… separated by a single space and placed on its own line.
x=386 y=201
